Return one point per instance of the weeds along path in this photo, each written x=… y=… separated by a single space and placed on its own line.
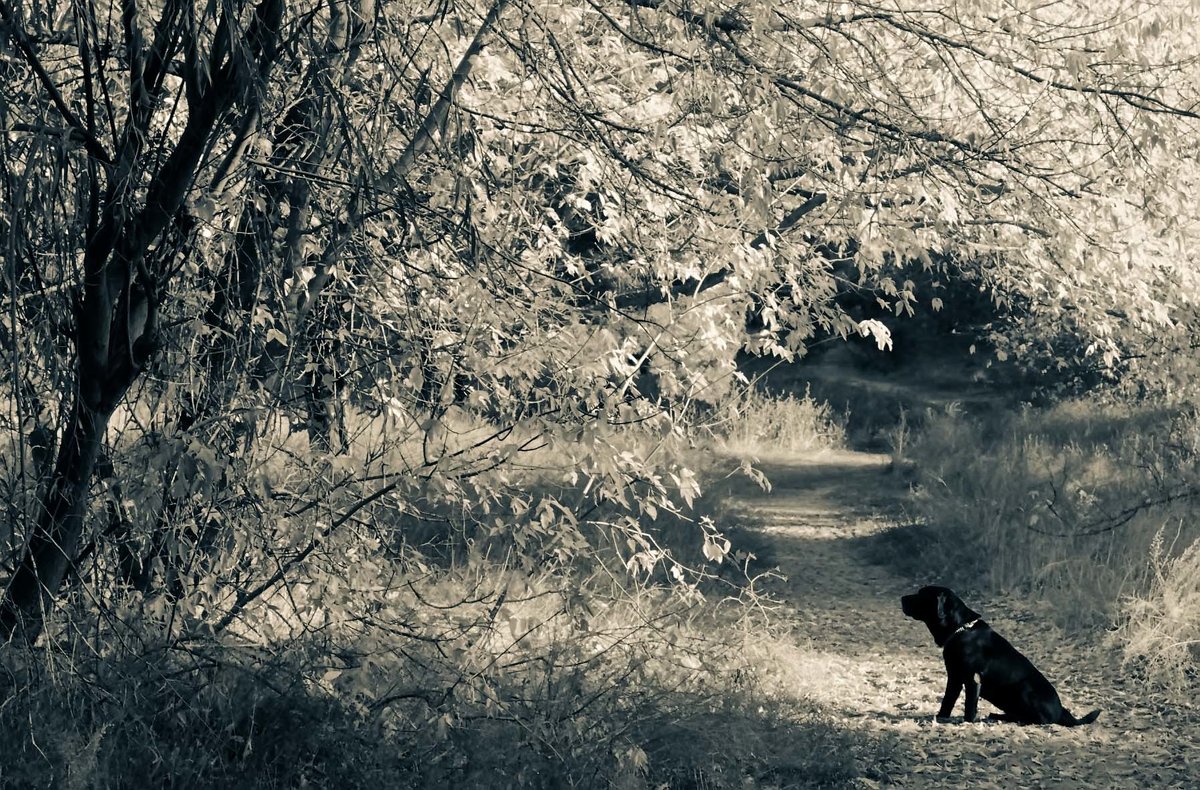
x=850 y=649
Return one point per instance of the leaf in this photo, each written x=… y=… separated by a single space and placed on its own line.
x=204 y=209
x=747 y=468
x=715 y=548
x=878 y=331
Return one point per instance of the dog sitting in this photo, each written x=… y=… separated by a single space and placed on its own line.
x=985 y=664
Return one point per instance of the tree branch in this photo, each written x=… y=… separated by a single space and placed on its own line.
x=1141 y=101
x=435 y=119
x=696 y=285
x=18 y=34
x=244 y=599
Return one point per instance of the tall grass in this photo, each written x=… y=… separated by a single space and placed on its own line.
x=1161 y=631
x=1091 y=506
x=760 y=423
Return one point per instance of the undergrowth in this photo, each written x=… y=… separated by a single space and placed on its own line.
x=1088 y=505
x=422 y=644
x=650 y=691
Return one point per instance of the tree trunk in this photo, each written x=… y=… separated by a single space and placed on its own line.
x=117 y=318
x=55 y=541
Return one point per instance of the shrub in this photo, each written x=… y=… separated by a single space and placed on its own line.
x=477 y=632
x=537 y=693
x=181 y=722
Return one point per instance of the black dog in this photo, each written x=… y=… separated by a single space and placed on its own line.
x=986 y=664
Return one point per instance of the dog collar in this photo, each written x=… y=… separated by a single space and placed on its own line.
x=960 y=629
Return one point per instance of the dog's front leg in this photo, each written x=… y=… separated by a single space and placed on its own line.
x=971 y=706
x=953 y=687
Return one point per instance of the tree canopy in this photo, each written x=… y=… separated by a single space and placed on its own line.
x=436 y=240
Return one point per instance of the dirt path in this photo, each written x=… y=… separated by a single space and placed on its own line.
x=879 y=672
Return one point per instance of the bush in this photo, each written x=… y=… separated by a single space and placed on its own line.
x=541 y=627
x=181 y=722
x=464 y=666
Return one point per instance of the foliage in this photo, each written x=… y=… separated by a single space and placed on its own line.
x=551 y=221
x=634 y=695
x=125 y=724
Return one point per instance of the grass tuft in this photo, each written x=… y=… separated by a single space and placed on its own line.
x=1161 y=633
x=764 y=424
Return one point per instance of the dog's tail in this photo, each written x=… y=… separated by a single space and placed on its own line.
x=1067 y=720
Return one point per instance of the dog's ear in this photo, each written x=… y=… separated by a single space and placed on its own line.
x=941 y=608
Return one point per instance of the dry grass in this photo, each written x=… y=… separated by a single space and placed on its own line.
x=1089 y=506
x=761 y=424
x=1161 y=632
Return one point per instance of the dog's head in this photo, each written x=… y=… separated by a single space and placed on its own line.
x=940 y=609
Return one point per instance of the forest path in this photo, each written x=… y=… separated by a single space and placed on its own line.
x=878 y=672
